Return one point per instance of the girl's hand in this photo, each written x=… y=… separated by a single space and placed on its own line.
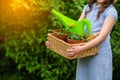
x=47 y=43
x=74 y=51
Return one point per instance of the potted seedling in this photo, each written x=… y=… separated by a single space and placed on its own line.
x=75 y=38
x=61 y=33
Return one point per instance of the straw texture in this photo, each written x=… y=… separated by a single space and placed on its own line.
x=60 y=47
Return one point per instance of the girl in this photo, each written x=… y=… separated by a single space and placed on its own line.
x=103 y=16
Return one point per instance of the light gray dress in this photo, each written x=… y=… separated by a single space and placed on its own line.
x=98 y=67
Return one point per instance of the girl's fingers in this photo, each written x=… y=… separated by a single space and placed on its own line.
x=74 y=57
x=70 y=54
x=47 y=44
x=71 y=49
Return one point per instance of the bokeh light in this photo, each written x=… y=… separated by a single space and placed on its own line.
x=16 y=4
x=21 y=14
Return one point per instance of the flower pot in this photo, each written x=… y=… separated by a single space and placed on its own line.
x=62 y=37
x=58 y=33
x=70 y=41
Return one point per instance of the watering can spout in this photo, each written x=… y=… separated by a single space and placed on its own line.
x=64 y=19
x=75 y=27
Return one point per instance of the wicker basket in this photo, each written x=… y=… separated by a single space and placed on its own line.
x=59 y=46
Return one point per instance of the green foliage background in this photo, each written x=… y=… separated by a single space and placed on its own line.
x=23 y=55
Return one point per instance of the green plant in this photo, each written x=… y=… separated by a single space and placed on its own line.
x=77 y=37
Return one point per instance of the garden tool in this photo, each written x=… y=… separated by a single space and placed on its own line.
x=73 y=26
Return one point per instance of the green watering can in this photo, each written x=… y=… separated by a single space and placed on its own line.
x=75 y=27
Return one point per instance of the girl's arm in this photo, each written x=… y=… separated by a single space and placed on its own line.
x=82 y=16
x=105 y=30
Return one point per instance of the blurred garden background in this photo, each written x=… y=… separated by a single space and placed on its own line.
x=24 y=26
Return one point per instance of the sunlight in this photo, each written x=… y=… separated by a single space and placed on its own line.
x=16 y=4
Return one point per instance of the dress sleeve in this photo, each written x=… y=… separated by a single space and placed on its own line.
x=111 y=12
x=85 y=8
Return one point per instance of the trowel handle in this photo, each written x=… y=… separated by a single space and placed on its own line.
x=88 y=25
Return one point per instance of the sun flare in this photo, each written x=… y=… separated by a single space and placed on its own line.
x=16 y=4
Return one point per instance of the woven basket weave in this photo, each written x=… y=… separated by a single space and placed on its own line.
x=60 y=47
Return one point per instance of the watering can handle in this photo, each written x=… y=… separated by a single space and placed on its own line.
x=88 y=25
